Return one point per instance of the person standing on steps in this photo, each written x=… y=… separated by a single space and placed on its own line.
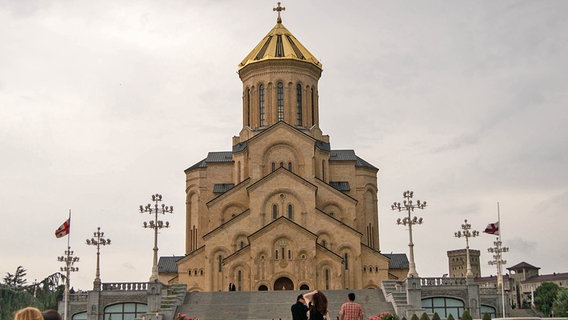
x=299 y=309
x=351 y=310
x=317 y=305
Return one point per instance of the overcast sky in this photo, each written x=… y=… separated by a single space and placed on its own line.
x=103 y=103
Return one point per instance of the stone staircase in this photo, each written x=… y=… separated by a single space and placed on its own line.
x=263 y=305
x=172 y=298
x=395 y=293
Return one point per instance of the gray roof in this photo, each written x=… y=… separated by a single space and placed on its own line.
x=222 y=187
x=168 y=264
x=340 y=185
x=397 y=260
x=523 y=265
x=322 y=145
x=342 y=155
x=363 y=163
x=547 y=277
x=220 y=156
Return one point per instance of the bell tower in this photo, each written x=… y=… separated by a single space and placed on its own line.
x=280 y=83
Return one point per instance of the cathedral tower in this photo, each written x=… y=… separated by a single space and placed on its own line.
x=281 y=210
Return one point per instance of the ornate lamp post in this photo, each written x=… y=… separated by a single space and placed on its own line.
x=466 y=233
x=98 y=241
x=497 y=251
x=408 y=206
x=69 y=260
x=156 y=224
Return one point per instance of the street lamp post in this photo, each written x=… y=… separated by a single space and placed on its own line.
x=497 y=251
x=156 y=224
x=98 y=240
x=409 y=207
x=466 y=233
x=69 y=260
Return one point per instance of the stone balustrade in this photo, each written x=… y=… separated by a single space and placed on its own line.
x=442 y=281
x=125 y=286
x=79 y=297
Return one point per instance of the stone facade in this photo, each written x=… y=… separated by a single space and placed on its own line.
x=457 y=260
x=281 y=210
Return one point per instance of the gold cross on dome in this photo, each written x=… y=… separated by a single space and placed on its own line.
x=279 y=8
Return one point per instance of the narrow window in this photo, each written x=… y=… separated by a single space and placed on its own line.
x=313 y=108
x=220 y=263
x=239 y=280
x=324 y=243
x=273 y=166
x=281 y=164
x=289 y=166
x=276 y=254
x=274 y=211
x=323 y=170
x=326 y=279
x=280 y=92
x=289 y=254
x=299 y=104
x=283 y=256
x=241 y=244
x=248 y=107
x=346 y=262
x=261 y=104
x=290 y=211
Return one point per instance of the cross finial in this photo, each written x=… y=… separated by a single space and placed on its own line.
x=279 y=8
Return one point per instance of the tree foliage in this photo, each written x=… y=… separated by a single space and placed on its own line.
x=414 y=317
x=544 y=297
x=424 y=316
x=466 y=315
x=560 y=304
x=486 y=316
x=15 y=294
x=436 y=316
x=450 y=317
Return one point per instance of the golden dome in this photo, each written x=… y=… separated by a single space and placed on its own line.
x=279 y=44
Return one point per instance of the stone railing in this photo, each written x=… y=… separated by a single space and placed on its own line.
x=437 y=282
x=125 y=286
x=79 y=297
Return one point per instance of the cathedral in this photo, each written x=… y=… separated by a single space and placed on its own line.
x=282 y=210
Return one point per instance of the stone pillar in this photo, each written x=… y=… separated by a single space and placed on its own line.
x=94 y=311
x=473 y=299
x=414 y=297
x=154 y=297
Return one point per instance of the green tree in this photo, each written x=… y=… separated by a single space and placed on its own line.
x=16 y=280
x=466 y=315
x=450 y=317
x=414 y=317
x=560 y=304
x=544 y=296
x=436 y=316
x=424 y=316
x=486 y=316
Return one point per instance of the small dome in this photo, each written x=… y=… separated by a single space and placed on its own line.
x=279 y=44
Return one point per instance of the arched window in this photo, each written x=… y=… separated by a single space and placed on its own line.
x=444 y=306
x=281 y=164
x=299 y=104
x=261 y=103
x=326 y=279
x=248 y=107
x=313 y=109
x=125 y=311
x=273 y=166
x=262 y=287
x=289 y=166
x=486 y=309
x=324 y=243
x=239 y=280
x=274 y=211
x=79 y=316
x=290 y=211
x=220 y=262
x=346 y=258
x=289 y=254
x=280 y=97
x=276 y=254
x=304 y=287
x=323 y=170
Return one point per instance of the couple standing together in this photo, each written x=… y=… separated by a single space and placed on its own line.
x=317 y=307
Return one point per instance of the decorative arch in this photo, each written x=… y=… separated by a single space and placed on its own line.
x=229 y=211
x=240 y=240
x=192 y=218
x=325 y=239
x=334 y=209
x=281 y=152
x=282 y=197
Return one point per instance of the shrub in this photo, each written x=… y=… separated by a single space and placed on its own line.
x=450 y=317
x=486 y=316
x=466 y=315
x=435 y=316
x=424 y=316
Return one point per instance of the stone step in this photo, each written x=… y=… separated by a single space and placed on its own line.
x=272 y=304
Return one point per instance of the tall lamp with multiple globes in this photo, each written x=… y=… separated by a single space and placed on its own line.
x=497 y=251
x=98 y=240
x=408 y=206
x=69 y=267
x=467 y=233
x=156 y=224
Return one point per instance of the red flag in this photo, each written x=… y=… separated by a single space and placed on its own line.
x=64 y=229
x=492 y=228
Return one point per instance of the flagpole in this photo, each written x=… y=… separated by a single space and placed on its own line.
x=68 y=273
x=500 y=238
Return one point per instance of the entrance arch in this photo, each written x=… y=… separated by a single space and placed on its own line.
x=263 y=288
x=283 y=283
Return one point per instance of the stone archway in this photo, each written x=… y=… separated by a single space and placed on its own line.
x=283 y=283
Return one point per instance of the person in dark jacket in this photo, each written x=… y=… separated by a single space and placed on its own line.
x=299 y=309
